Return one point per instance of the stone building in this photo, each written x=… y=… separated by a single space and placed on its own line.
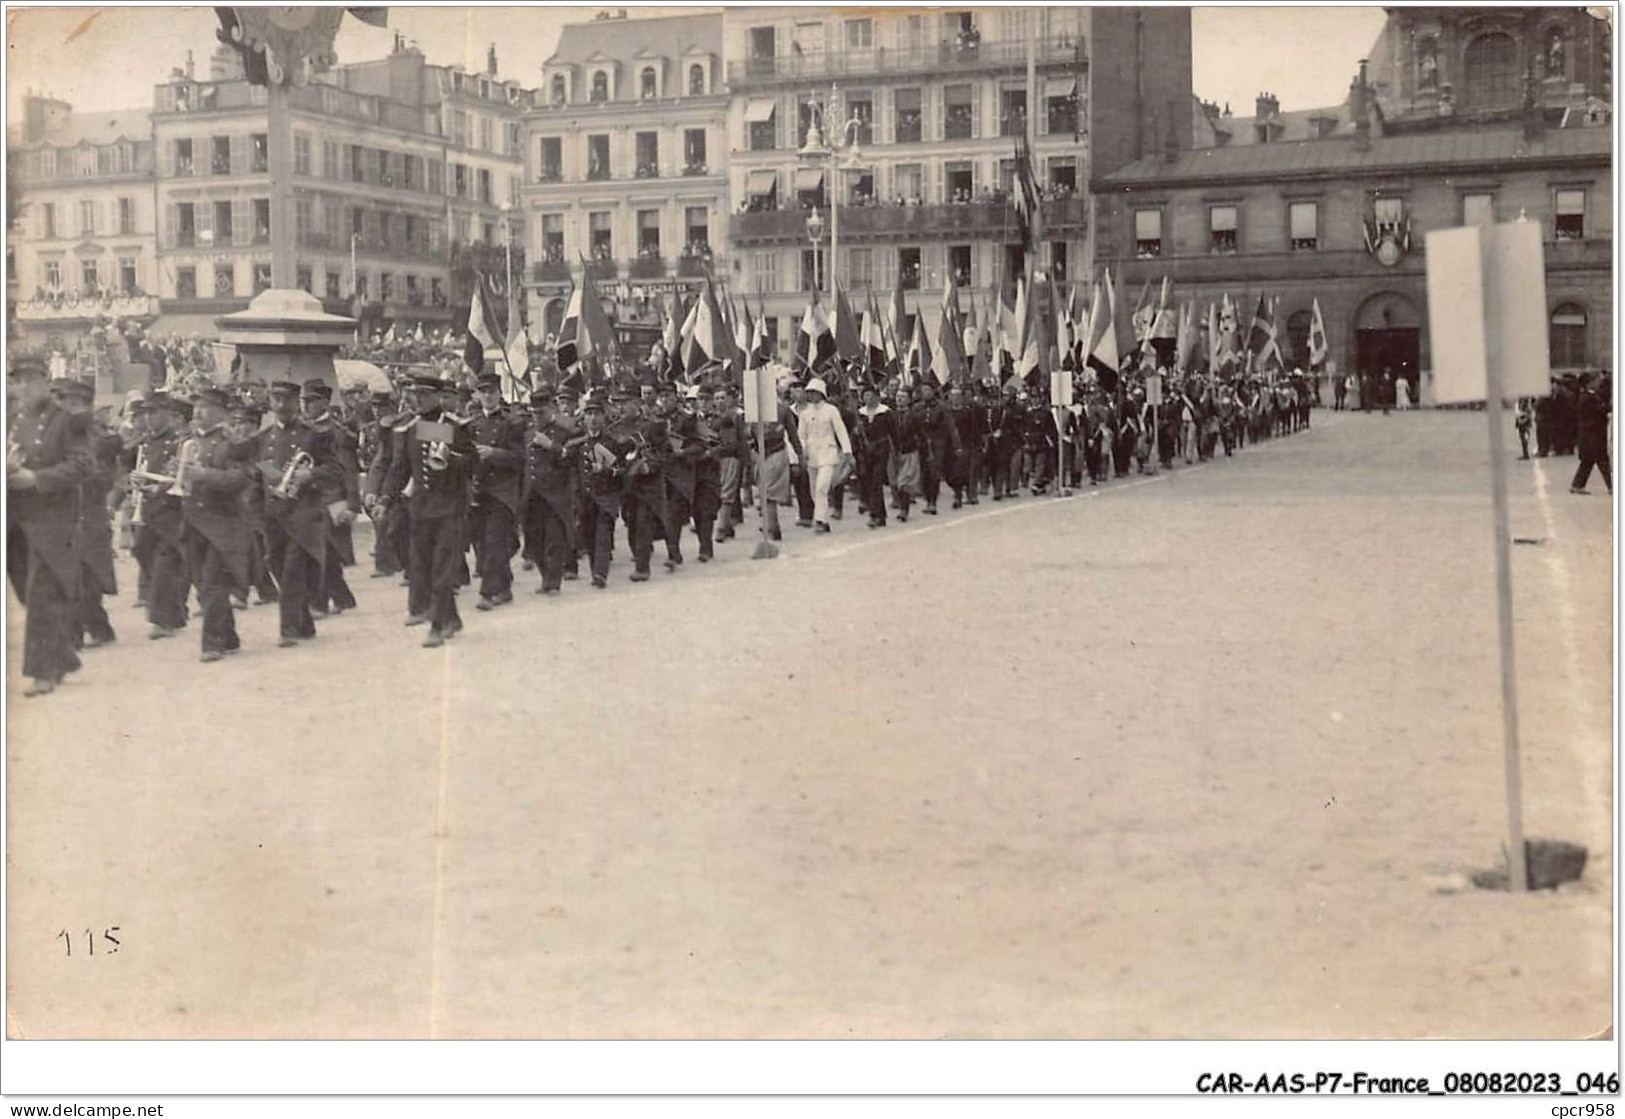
x=1459 y=116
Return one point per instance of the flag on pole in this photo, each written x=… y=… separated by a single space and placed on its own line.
x=848 y=340
x=874 y=338
x=1213 y=341
x=516 y=384
x=1103 y=355
x=919 y=363
x=815 y=342
x=1317 y=338
x=1025 y=191
x=1165 y=327
x=1261 y=340
x=744 y=339
x=897 y=314
x=671 y=337
x=1144 y=317
x=570 y=344
x=1229 y=333
x=594 y=326
x=484 y=331
x=951 y=337
x=1033 y=361
x=1185 y=344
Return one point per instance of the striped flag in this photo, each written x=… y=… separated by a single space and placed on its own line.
x=1317 y=338
x=484 y=331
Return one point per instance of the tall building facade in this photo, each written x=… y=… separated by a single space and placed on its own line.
x=84 y=247
x=1460 y=116
x=626 y=156
x=940 y=96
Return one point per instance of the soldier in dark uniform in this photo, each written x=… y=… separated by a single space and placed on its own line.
x=295 y=519
x=499 y=439
x=707 y=470
x=549 y=488
x=679 y=451
x=874 y=438
x=389 y=541
x=163 y=530
x=602 y=458
x=341 y=501
x=97 y=577
x=437 y=464
x=132 y=436
x=644 y=504
x=245 y=425
x=939 y=441
x=216 y=530
x=48 y=458
x=733 y=440
x=1009 y=423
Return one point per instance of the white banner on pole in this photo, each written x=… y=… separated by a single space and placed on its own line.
x=761 y=394
x=1153 y=388
x=1487 y=303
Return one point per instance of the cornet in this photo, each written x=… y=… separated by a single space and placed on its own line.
x=138 y=515
x=186 y=458
x=286 y=487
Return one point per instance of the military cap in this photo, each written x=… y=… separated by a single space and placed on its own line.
x=70 y=386
x=284 y=388
x=212 y=396
x=624 y=390
x=488 y=381
x=168 y=402
x=316 y=389
x=428 y=381
x=542 y=395
x=136 y=407
x=594 y=401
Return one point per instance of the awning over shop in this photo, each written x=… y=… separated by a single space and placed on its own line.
x=809 y=178
x=1062 y=87
x=758 y=183
x=758 y=109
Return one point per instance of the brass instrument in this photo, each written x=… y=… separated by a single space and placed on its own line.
x=188 y=456
x=286 y=487
x=138 y=510
x=14 y=452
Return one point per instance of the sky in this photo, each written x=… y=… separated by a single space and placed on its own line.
x=110 y=58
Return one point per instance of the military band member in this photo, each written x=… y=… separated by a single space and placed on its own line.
x=245 y=425
x=216 y=476
x=679 y=459
x=433 y=477
x=549 y=488
x=497 y=475
x=341 y=499
x=164 y=526
x=602 y=462
x=707 y=470
x=297 y=462
x=48 y=458
x=97 y=577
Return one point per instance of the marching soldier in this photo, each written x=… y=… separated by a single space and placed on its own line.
x=297 y=462
x=97 y=577
x=48 y=457
x=939 y=441
x=679 y=451
x=216 y=534
x=876 y=437
x=969 y=432
x=602 y=459
x=497 y=476
x=1009 y=420
x=433 y=476
x=731 y=455
x=161 y=536
x=549 y=489
x=244 y=426
x=707 y=471
x=644 y=504
x=341 y=500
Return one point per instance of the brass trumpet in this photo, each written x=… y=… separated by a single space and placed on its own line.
x=183 y=461
x=138 y=508
x=286 y=488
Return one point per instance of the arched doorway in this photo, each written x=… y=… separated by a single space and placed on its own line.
x=1388 y=335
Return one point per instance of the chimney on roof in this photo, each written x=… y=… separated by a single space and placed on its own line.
x=1360 y=109
x=491 y=60
x=191 y=67
x=1268 y=106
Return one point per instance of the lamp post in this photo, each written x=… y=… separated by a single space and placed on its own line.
x=814 y=150
x=815 y=234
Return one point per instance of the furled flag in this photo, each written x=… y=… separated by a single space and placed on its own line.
x=671 y=337
x=1185 y=343
x=1166 y=325
x=919 y=363
x=1317 y=338
x=1102 y=343
x=1229 y=333
x=896 y=316
x=1025 y=191
x=570 y=349
x=484 y=331
x=708 y=341
x=1063 y=327
x=744 y=338
x=1261 y=340
x=1213 y=340
x=951 y=336
x=1144 y=317
x=1033 y=362
x=815 y=342
x=516 y=383
x=848 y=340
x=874 y=337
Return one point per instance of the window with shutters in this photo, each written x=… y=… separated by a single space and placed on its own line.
x=765 y=270
x=1221 y=224
x=908 y=265
x=331 y=168
x=222 y=223
x=860 y=34
x=1147 y=233
x=225 y=279
x=1568 y=336
x=910 y=184
x=126 y=275
x=906 y=113
x=1304 y=220
x=1478 y=209
x=486 y=144
x=48 y=220
x=958 y=112
x=301 y=153
x=1570 y=219
x=485 y=186
x=220 y=155
x=89 y=281
x=1012 y=111
x=436 y=177
x=859 y=268
x=185 y=281
x=262 y=220
x=183 y=157
x=259 y=152
x=87 y=218
x=185 y=224
x=47 y=163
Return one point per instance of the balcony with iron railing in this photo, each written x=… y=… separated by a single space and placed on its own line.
x=980 y=220
x=942 y=58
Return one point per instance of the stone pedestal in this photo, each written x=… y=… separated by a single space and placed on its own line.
x=284 y=335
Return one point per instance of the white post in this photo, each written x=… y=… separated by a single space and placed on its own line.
x=1493 y=409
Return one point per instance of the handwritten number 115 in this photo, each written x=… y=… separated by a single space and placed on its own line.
x=90 y=941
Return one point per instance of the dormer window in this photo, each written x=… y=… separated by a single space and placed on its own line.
x=600 y=87
x=696 y=80
x=646 y=83
x=559 y=95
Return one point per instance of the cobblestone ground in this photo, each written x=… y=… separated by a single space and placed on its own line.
x=1183 y=757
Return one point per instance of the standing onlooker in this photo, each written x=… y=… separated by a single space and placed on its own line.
x=1592 y=432
x=1524 y=418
